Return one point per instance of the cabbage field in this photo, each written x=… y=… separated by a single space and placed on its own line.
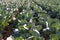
x=30 y=19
